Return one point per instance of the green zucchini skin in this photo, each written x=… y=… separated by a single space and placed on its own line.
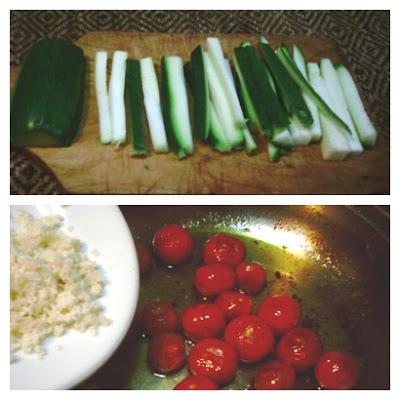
x=135 y=108
x=271 y=114
x=171 y=112
x=201 y=95
x=290 y=94
x=47 y=100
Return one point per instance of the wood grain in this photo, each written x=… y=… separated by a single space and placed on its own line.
x=88 y=167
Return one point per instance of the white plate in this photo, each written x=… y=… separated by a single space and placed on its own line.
x=101 y=228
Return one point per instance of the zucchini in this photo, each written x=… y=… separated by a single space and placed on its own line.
x=152 y=104
x=365 y=128
x=200 y=94
x=254 y=96
x=216 y=135
x=299 y=60
x=103 y=105
x=289 y=92
x=222 y=106
x=307 y=88
x=331 y=80
x=334 y=143
x=261 y=102
x=224 y=75
x=116 y=97
x=135 y=110
x=47 y=100
x=176 y=106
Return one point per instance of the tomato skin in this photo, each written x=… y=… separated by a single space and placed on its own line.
x=144 y=258
x=281 y=313
x=159 y=316
x=300 y=347
x=201 y=321
x=250 y=277
x=214 y=359
x=233 y=304
x=275 y=375
x=337 y=370
x=225 y=249
x=166 y=353
x=250 y=336
x=196 y=382
x=173 y=244
x=211 y=280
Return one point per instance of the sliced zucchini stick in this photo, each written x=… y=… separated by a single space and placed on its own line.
x=135 y=110
x=200 y=94
x=116 y=97
x=254 y=96
x=224 y=73
x=176 y=106
x=217 y=136
x=334 y=143
x=249 y=142
x=103 y=106
x=299 y=60
x=306 y=87
x=328 y=74
x=365 y=128
x=290 y=94
x=222 y=106
x=152 y=105
x=301 y=134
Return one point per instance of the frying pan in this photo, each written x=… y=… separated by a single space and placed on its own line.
x=333 y=259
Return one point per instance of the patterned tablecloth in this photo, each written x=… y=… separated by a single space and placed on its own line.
x=364 y=37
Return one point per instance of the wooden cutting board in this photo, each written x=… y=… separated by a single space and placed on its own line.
x=87 y=167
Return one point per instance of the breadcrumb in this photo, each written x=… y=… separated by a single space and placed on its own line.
x=53 y=284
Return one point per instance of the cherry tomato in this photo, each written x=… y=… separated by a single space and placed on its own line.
x=281 y=313
x=233 y=304
x=173 y=244
x=159 y=316
x=211 y=280
x=300 y=347
x=144 y=258
x=337 y=370
x=196 y=382
x=250 y=277
x=222 y=248
x=214 y=359
x=202 y=321
x=250 y=336
x=166 y=352
x=275 y=375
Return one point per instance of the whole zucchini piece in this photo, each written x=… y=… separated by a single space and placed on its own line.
x=47 y=100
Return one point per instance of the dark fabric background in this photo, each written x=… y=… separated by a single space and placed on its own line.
x=364 y=37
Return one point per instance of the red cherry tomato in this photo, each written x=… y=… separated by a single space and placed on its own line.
x=144 y=258
x=159 y=316
x=300 y=347
x=275 y=375
x=250 y=336
x=211 y=280
x=202 y=321
x=250 y=277
x=166 y=352
x=214 y=359
x=196 y=382
x=233 y=304
x=281 y=313
x=173 y=244
x=222 y=248
x=337 y=370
